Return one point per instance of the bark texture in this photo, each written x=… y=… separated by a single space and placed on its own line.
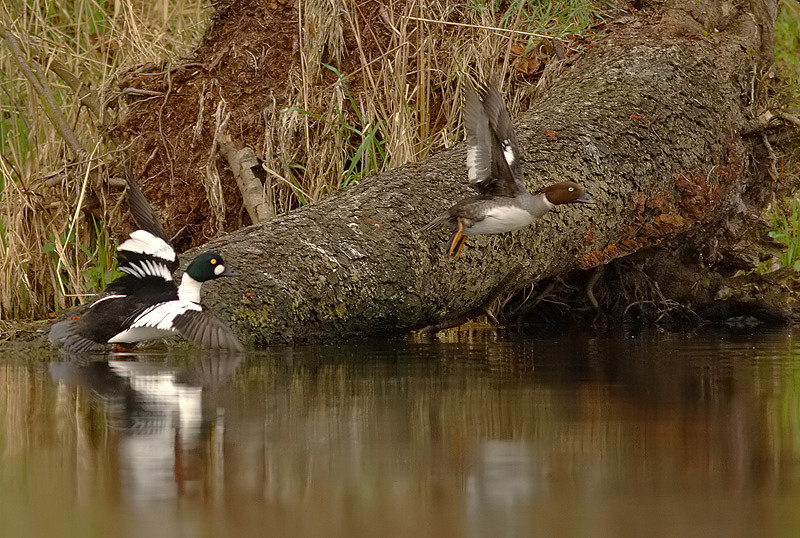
x=648 y=121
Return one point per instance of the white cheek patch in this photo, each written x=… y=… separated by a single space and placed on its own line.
x=508 y=152
x=219 y=269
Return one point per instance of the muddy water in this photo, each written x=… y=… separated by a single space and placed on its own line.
x=563 y=435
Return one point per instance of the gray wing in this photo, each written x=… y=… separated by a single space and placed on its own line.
x=479 y=141
x=202 y=327
x=493 y=156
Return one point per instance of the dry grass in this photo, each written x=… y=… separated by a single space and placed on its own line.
x=398 y=106
x=53 y=248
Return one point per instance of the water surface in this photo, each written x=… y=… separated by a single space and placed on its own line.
x=560 y=435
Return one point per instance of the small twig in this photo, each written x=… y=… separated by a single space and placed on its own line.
x=773 y=159
x=490 y=316
x=85 y=94
x=10 y=164
x=791 y=118
x=177 y=234
x=211 y=179
x=525 y=307
x=481 y=27
x=74 y=222
x=141 y=91
x=57 y=177
x=757 y=124
x=295 y=188
x=198 y=126
x=346 y=76
x=654 y=120
x=589 y=288
x=149 y=159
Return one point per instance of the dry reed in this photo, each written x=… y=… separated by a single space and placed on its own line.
x=53 y=248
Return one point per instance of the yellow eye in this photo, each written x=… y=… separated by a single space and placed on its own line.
x=213 y=261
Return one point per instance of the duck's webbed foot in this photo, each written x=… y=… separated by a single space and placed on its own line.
x=457 y=241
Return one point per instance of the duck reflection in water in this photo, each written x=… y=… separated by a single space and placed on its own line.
x=159 y=413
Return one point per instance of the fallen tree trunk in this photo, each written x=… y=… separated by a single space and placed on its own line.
x=649 y=121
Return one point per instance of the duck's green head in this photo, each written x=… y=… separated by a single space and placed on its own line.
x=208 y=266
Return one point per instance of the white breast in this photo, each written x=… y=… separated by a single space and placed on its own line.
x=501 y=219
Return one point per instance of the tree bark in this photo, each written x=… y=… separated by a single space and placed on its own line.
x=648 y=121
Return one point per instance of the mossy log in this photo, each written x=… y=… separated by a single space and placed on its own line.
x=649 y=121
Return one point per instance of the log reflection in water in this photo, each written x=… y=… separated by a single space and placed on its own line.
x=404 y=438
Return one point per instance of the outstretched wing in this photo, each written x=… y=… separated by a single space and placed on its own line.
x=202 y=327
x=147 y=252
x=493 y=156
x=145 y=255
x=184 y=317
x=479 y=141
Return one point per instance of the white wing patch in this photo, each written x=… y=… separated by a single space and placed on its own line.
x=106 y=298
x=472 y=161
x=508 y=152
x=162 y=315
x=143 y=242
x=145 y=268
x=156 y=321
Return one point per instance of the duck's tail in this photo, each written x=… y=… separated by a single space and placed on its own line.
x=434 y=223
x=65 y=333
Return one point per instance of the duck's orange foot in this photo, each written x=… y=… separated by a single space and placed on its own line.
x=457 y=241
x=459 y=246
x=123 y=348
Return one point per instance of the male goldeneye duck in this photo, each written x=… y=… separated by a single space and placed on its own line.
x=503 y=203
x=145 y=303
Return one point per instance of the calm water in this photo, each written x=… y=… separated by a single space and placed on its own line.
x=568 y=435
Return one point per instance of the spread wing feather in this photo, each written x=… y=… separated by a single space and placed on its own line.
x=479 y=141
x=145 y=255
x=202 y=327
x=493 y=157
